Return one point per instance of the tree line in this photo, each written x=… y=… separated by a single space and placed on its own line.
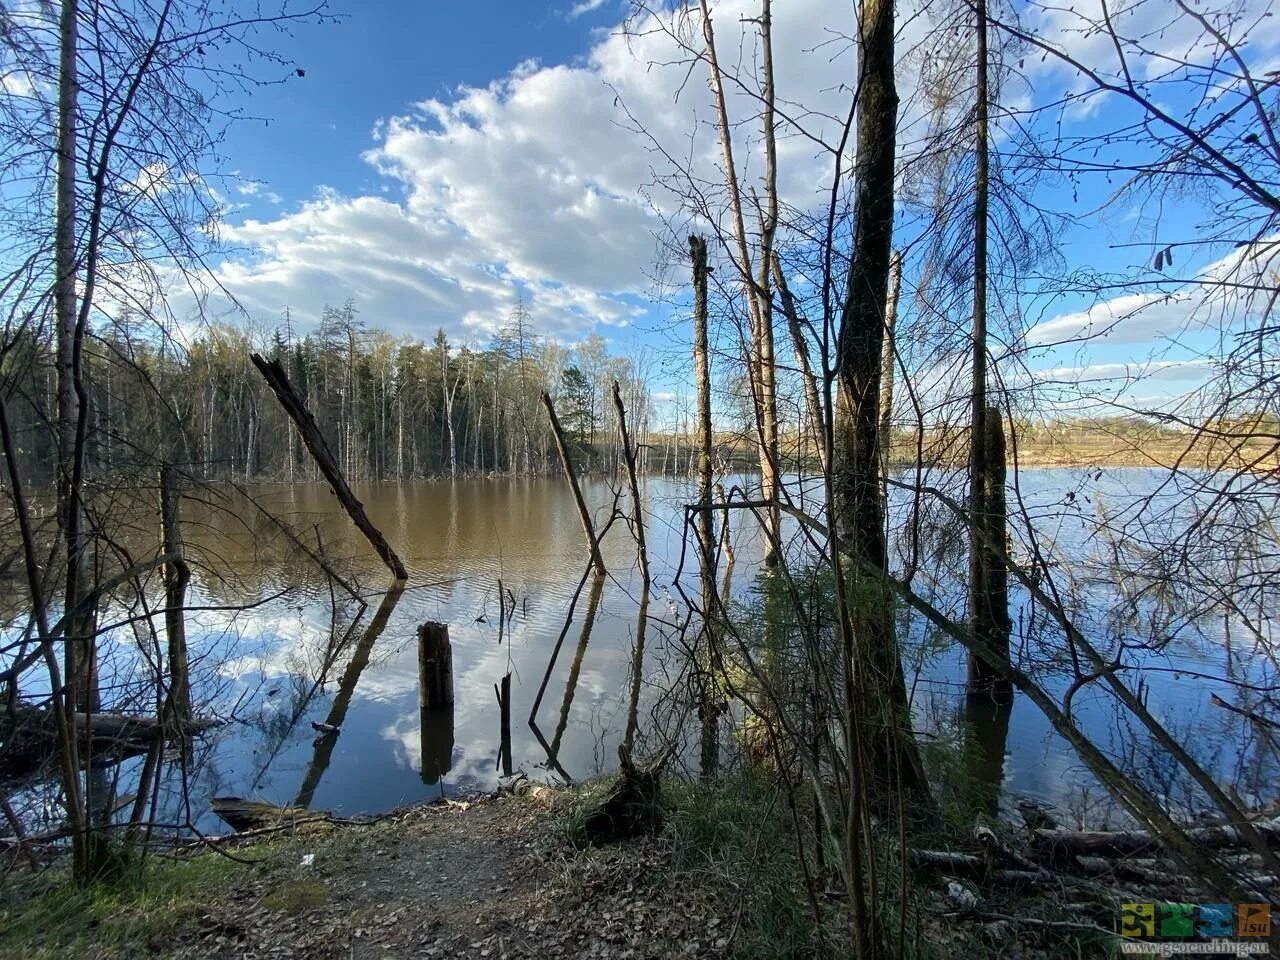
x=390 y=408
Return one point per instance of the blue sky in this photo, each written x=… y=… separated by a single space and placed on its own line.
x=384 y=56
x=439 y=158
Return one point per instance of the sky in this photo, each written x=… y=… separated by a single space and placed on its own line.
x=437 y=160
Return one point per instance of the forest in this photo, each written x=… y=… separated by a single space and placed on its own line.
x=391 y=409
x=863 y=471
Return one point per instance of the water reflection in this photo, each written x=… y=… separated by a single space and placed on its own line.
x=282 y=665
x=985 y=724
x=435 y=701
x=337 y=715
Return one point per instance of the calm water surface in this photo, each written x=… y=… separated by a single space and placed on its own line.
x=280 y=666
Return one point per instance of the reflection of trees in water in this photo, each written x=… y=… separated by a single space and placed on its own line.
x=325 y=743
x=593 y=602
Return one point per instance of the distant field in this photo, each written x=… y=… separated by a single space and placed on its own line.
x=1256 y=448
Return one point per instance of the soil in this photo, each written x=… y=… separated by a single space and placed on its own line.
x=489 y=878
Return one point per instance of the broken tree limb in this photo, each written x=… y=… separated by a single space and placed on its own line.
x=593 y=543
x=1257 y=718
x=278 y=381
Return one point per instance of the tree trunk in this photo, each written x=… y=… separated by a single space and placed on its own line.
x=759 y=304
x=176 y=577
x=593 y=545
x=813 y=400
x=887 y=370
x=988 y=576
x=637 y=510
x=875 y=682
x=707 y=708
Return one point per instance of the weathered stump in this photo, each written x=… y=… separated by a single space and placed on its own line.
x=435 y=666
x=435 y=700
x=633 y=805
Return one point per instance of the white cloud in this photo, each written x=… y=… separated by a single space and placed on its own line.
x=536 y=181
x=1221 y=296
x=585 y=7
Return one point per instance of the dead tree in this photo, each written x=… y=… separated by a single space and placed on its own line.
x=756 y=288
x=593 y=543
x=706 y=522
x=629 y=454
x=278 y=380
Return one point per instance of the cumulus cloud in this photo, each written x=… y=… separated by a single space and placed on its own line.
x=542 y=181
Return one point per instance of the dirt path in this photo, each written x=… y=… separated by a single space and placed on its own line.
x=489 y=879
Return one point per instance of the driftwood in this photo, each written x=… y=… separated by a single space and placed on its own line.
x=278 y=381
x=633 y=805
x=28 y=737
x=241 y=814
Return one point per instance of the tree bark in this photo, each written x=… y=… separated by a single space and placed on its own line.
x=988 y=577
x=760 y=353
x=887 y=369
x=629 y=454
x=878 y=688
x=706 y=523
x=812 y=398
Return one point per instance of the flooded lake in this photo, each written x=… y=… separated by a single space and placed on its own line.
x=287 y=662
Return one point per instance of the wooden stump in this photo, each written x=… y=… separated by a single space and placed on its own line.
x=633 y=805
x=435 y=700
x=435 y=666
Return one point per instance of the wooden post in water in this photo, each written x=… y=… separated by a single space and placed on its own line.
x=435 y=700
x=176 y=577
x=593 y=545
x=435 y=666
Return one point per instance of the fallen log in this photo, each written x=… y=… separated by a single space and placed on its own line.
x=1123 y=843
x=241 y=814
x=28 y=737
x=294 y=406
